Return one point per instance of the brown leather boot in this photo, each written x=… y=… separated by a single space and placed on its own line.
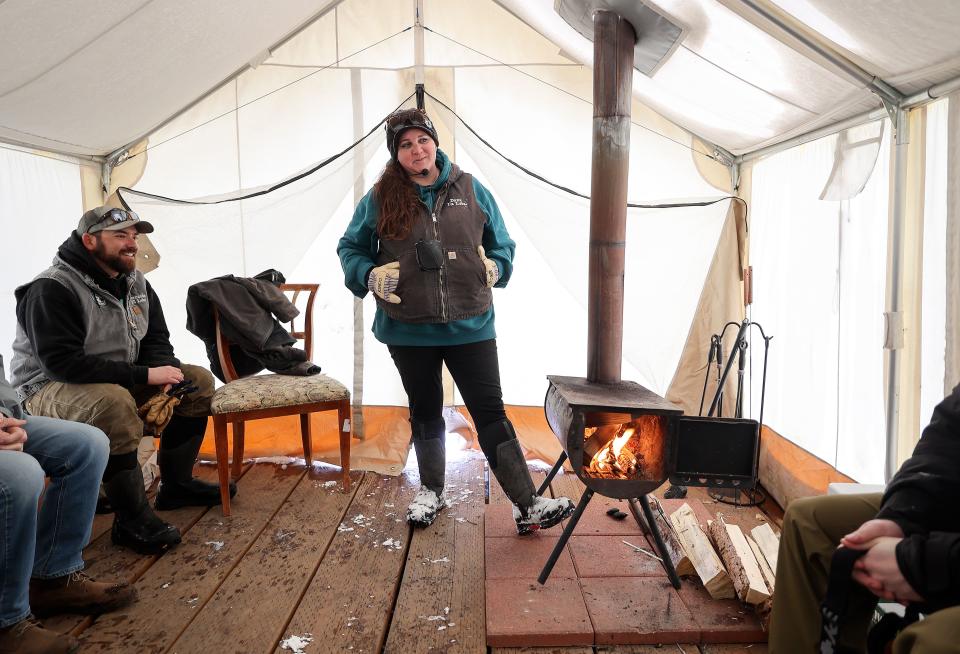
x=78 y=593
x=29 y=637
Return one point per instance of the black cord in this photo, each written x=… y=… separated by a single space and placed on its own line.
x=527 y=171
x=276 y=186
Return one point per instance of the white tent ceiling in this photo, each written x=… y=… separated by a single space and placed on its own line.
x=88 y=78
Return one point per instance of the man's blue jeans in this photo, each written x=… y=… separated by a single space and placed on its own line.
x=48 y=543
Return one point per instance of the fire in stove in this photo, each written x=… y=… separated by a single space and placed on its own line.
x=632 y=450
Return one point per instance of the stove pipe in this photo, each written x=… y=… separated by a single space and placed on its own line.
x=613 y=54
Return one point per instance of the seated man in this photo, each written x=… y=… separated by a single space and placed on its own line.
x=40 y=553
x=911 y=535
x=91 y=345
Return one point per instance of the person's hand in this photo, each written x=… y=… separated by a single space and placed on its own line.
x=870 y=530
x=879 y=572
x=490 y=266
x=383 y=281
x=12 y=435
x=164 y=376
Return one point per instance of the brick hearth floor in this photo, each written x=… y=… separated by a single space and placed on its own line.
x=601 y=591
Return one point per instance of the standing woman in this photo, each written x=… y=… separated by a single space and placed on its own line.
x=430 y=242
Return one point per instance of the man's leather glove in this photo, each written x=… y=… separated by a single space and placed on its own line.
x=493 y=270
x=157 y=412
x=383 y=281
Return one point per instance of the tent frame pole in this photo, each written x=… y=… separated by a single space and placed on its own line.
x=894 y=313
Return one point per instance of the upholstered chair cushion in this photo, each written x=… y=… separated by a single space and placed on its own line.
x=270 y=391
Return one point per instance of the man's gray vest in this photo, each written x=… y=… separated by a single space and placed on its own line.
x=113 y=328
x=458 y=290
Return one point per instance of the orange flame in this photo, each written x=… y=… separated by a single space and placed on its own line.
x=614 y=459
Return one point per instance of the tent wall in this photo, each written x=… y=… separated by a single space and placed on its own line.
x=816 y=266
x=41 y=200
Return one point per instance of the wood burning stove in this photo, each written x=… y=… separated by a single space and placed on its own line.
x=624 y=441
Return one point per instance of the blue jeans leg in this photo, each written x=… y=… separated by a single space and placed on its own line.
x=21 y=482
x=74 y=456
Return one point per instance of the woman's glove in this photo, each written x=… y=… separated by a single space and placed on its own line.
x=493 y=270
x=383 y=281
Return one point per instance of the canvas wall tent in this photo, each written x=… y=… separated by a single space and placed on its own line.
x=184 y=101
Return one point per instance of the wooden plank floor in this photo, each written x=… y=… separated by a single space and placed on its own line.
x=302 y=564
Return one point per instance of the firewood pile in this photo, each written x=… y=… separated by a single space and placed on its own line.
x=729 y=562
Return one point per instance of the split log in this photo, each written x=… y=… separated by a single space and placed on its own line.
x=768 y=574
x=681 y=562
x=697 y=546
x=768 y=542
x=738 y=557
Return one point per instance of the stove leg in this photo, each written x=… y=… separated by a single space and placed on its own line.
x=658 y=539
x=565 y=536
x=553 y=473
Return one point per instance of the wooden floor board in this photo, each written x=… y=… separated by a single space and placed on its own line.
x=105 y=561
x=439 y=608
x=270 y=580
x=348 y=604
x=184 y=579
x=754 y=648
x=541 y=650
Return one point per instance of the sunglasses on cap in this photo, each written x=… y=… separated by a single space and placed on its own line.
x=119 y=216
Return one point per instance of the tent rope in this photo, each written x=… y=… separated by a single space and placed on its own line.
x=634 y=205
x=665 y=205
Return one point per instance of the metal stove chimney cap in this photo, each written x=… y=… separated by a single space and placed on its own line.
x=657 y=35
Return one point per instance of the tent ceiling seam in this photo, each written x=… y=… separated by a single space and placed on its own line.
x=67 y=157
x=749 y=83
x=46 y=138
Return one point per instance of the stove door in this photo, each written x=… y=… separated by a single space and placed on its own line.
x=715 y=452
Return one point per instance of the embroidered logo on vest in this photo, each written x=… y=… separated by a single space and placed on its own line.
x=456 y=202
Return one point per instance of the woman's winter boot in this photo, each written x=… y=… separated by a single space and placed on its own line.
x=530 y=511
x=429 y=441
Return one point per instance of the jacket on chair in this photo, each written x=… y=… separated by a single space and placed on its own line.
x=251 y=310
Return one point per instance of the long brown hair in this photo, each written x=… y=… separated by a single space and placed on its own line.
x=399 y=202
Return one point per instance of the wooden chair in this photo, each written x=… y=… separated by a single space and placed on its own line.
x=272 y=395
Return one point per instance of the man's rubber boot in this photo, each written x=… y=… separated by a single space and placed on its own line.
x=178 y=486
x=429 y=441
x=530 y=511
x=135 y=525
x=30 y=637
x=103 y=504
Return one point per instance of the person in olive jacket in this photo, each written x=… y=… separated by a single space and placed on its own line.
x=430 y=242
x=911 y=534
